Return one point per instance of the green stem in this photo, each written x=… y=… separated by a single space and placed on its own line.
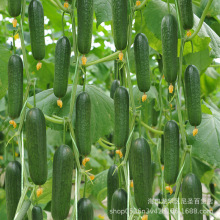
x=74 y=88
x=48 y=118
x=107 y=142
x=63 y=23
x=105 y=146
x=74 y=32
x=105 y=59
x=151 y=129
x=200 y=21
x=84 y=191
x=14 y=48
x=141 y=6
x=64 y=131
x=84 y=81
x=168 y=5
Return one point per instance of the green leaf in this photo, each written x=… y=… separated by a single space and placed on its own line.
x=102 y=115
x=156 y=214
x=46 y=196
x=206 y=144
x=5 y=54
x=103 y=11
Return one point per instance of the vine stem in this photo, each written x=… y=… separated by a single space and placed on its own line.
x=151 y=129
x=104 y=145
x=104 y=59
x=200 y=22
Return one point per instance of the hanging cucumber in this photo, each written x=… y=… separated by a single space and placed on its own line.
x=63 y=164
x=142 y=173
x=85 y=26
x=36 y=26
x=114 y=86
x=119 y=205
x=171 y=152
x=36 y=145
x=12 y=187
x=15 y=86
x=186 y=14
x=14 y=10
x=37 y=213
x=192 y=90
x=85 y=209
x=169 y=37
x=121 y=103
x=62 y=64
x=83 y=120
x=141 y=58
x=120 y=24
x=112 y=186
x=192 y=191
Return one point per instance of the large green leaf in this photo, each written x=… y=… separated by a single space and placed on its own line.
x=206 y=144
x=103 y=11
x=5 y=54
x=102 y=115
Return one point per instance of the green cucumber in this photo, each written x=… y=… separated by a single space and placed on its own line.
x=162 y=150
x=36 y=145
x=83 y=119
x=186 y=14
x=119 y=205
x=63 y=164
x=62 y=64
x=12 y=188
x=142 y=173
x=212 y=190
x=37 y=213
x=120 y=23
x=14 y=8
x=192 y=90
x=15 y=86
x=192 y=191
x=85 y=25
x=115 y=85
x=85 y=209
x=171 y=152
x=2 y=144
x=36 y=26
x=141 y=58
x=121 y=103
x=112 y=186
x=169 y=38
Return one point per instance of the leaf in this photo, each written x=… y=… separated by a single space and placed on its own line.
x=5 y=54
x=206 y=144
x=46 y=196
x=102 y=113
x=103 y=11
x=156 y=214
x=99 y=183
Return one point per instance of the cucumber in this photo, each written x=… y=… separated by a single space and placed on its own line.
x=141 y=58
x=112 y=186
x=119 y=205
x=171 y=152
x=192 y=90
x=169 y=39
x=63 y=164
x=186 y=14
x=36 y=145
x=85 y=25
x=14 y=8
x=15 y=86
x=85 y=209
x=120 y=23
x=36 y=26
x=83 y=119
x=62 y=64
x=142 y=173
x=115 y=85
x=212 y=190
x=12 y=188
x=2 y=144
x=37 y=213
x=162 y=150
x=192 y=191
x=121 y=103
